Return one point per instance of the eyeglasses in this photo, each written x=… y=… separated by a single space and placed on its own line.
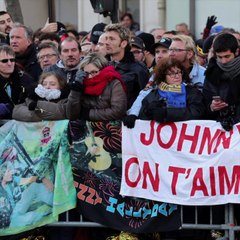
x=177 y=50
x=7 y=60
x=174 y=74
x=47 y=56
x=137 y=52
x=92 y=73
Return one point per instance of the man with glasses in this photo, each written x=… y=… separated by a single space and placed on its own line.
x=183 y=49
x=47 y=55
x=14 y=83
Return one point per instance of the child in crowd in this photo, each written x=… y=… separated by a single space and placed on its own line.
x=47 y=102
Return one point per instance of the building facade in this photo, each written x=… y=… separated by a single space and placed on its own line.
x=148 y=13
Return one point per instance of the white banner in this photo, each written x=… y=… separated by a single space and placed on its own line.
x=187 y=163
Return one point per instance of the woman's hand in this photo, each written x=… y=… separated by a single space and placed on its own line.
x=77 y=84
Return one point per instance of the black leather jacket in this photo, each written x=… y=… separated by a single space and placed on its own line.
x=20 y=85
x=28 y=62
x=135 y=75
x=195 y=108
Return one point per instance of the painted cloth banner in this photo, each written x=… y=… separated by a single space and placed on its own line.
x=186 y=163
x=97 y=166
x=35 y=175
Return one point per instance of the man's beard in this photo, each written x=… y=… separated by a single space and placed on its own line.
x=71 y=64
x=7 y=30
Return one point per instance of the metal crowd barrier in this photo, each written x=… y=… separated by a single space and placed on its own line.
x=228 y=227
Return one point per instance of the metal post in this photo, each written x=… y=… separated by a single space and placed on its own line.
x=192 y=14
x=162 y=13
x=51 y=11
x=231 y=221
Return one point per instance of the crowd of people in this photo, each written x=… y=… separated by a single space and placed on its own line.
x=118 y=72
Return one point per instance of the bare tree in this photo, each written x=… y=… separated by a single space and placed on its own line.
x=14 y=8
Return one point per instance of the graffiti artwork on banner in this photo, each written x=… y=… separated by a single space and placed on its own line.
x=97 y=167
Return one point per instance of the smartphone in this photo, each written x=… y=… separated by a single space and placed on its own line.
x=216 y=98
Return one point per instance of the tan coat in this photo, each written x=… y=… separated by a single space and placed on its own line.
x=110 y=105
x=44 y=110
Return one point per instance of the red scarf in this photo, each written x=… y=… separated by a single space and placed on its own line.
x=96 y=85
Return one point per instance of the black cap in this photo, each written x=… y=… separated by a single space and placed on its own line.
x=137 y=42
x=60 y=27
x=96 y=32
x=164 y=42
x=148 y=40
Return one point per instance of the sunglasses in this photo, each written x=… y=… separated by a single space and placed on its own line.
x=6 y=60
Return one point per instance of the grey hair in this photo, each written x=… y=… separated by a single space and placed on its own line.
x=182 y=24
x=47 y=45
x=7 y=49
x=96 y=59
x=28 y=31
x=156 y=28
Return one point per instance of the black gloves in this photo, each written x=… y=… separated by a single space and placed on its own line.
x=32 y=105
x=159 y=114
x=80 y=76
x=77 y=84
x=157 y=111
x=211 y=21
x=31 y=92
x=129 y=121
x=228 y=117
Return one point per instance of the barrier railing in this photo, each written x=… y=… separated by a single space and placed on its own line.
x=228 y=226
